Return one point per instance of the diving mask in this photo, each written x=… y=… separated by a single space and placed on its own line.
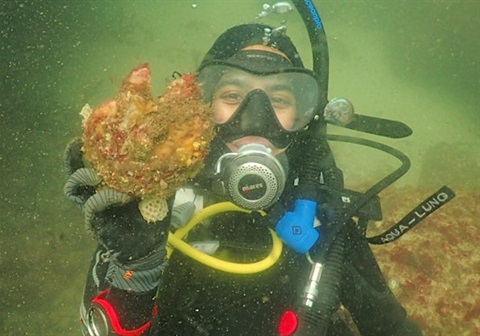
x=293 y=92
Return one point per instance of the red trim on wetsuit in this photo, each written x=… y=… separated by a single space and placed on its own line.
x=115 y=321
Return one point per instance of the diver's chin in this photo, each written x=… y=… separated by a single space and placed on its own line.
x=235 y=145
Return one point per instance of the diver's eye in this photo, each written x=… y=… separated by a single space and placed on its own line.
x=283 y=101
x=231 y=97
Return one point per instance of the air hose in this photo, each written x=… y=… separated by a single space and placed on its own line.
x=175 y=242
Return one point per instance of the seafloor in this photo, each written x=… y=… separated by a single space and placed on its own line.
x=433 y=269
x=412 y=61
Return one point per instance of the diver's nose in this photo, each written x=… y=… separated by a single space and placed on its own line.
x=257 y=111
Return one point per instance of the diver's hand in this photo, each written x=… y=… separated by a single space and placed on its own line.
x=112 y=217
x=135 y=248
x=122 y=229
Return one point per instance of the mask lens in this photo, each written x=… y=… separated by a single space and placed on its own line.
x=293 y=94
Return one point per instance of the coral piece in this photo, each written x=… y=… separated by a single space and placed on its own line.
x=144 y=146
x=153 y=209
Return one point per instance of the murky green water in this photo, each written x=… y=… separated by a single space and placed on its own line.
x=418 y=62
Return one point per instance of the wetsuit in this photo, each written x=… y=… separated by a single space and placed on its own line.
x=194 y=299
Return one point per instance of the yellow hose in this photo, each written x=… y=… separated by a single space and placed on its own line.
x=175 y=241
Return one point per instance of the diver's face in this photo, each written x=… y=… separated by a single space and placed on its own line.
x=236 y=84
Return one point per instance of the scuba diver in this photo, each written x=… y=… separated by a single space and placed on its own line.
x=266 y=108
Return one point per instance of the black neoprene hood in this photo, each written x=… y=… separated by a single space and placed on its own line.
x=239 y=37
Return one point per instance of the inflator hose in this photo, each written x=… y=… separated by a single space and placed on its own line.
x=317 y=319
x=319 y=159
x=318 y=41
x=319 y=162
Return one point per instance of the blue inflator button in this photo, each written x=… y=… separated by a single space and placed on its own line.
x=296 y=228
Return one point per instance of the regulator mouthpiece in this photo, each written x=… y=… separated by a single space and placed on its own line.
x=253 y=178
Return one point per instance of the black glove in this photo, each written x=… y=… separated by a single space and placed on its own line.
x=114 y=218
x=122 y=229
